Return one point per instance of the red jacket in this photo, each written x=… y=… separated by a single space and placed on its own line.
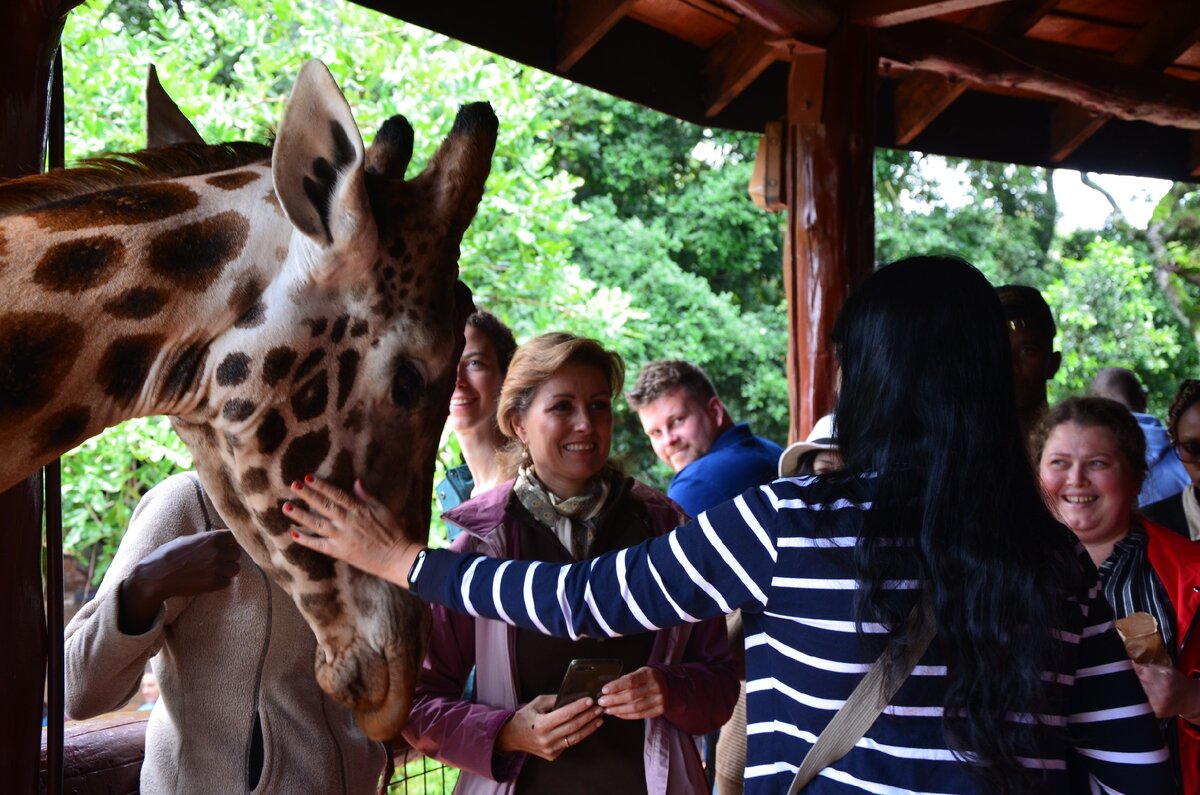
x=1176 y=561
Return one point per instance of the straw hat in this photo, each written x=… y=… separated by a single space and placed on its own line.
x=821 y=437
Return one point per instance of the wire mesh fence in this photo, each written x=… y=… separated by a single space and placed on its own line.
x=417 y=774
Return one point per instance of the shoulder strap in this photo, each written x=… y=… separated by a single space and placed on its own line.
x=867 y=701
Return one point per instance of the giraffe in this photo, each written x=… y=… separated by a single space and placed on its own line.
x=293 y=310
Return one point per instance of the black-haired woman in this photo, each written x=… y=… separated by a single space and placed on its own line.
x=1025 y=664
x=1181 y=512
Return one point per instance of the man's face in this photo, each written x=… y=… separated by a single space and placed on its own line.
x=1034 y=363
x=681 y=428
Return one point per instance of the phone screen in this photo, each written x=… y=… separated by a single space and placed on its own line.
x=585 y=678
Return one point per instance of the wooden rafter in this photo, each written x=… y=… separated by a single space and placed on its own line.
x=931 y=93
x=886 y=13
x=1169 y=35
x=1098 y=84
x=581 y=25
x=738 y=59
x=814 y=20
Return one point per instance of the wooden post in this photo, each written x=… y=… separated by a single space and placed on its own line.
x=830 y=243
x=30 y=31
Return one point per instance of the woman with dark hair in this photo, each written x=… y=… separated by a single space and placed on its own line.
x=937 y=505
x=1091 y=456
x=1181 y=512
x=563 y=500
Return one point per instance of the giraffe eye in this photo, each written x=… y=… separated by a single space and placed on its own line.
x=407 y=384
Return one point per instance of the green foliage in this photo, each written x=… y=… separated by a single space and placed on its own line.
x=104 y=478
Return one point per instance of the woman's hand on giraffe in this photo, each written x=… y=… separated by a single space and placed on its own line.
x=356 y=528
x=539 y=729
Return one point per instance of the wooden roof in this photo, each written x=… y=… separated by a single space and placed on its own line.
x=1102 y=85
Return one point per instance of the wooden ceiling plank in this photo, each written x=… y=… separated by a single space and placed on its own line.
x=812 y=19
x=736 y=62
x=1070 y=127
x=920 y=98
x=886 y=13
x=1012 y=18
x=581 y=25
x=1095 y=83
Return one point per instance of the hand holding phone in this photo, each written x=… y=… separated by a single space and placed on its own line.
x=585 y=678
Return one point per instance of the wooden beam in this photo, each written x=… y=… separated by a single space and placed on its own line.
x=1089 y=81
x=581 y=25
x=814 y=19
x=735 y=62
x=1070 y=126
x=919 y=99
x=828 y=181
x=1010 y=19
x=886 y=13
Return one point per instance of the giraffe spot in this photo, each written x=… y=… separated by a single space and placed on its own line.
x=124 y=206
x=312 y=398
x=406 y=275
x=237 y=409
x=323 y=608
x=419 y=282
x=281 y=253
x=233 y=369
x=398 y=248
x=125 y=364
x=359 y=328
x=354 y=420
x=315 y=566
x=184 y=370
x=136 y=303
x=37 y=351
x=422 y=248
x=192 y=256
x=274 y=521
x=78 y=265
x=232 y=180
x=304 y=454
x=339 y=329
x=246 y=302
x=389 y=273
x=312 y=360
x=255 y=480
x=317 y=325
x=231 y=507
x=347 y=373
x=231 y=442
x=342 y=474
x=270 y=434
x=64 y=428
x=277 y=364
x=281 y=575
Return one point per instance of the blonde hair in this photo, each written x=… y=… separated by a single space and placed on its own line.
x=535 y=363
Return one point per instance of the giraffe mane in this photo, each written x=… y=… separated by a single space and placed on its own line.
x=117 y=170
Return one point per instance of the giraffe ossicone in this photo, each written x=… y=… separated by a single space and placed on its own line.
x=293 y=310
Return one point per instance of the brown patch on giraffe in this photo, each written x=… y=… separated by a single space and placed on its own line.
x=232 y=180
x=304 y=455
x=354 y=420
x=317 y=325
x=347 y=373
x=324 y=608
x=192 y=256
x=233 y=509
x=270 y=198
x=398 y=248
x=137 y=303
x=124 y=206
x=281 y=253
x=78 y=265
x=312 y=398
x=233 y=369
x=314 y=565
x=342 y=474
x=270 y=433
x=339 y=329
x=64 y=428
x=183 y=370
x=406 y=275
x=277 y=364
x=238 y=409
x=312 y=360
x=125 y=364
x=274 y=521
x=36 y=353
x=255 y=480
x=246 y=301
x=280 y=576
x=231 y=442
x=359 y=328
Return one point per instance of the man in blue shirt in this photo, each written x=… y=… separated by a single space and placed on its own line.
x=714 y=458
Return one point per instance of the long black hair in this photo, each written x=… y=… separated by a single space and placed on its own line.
x=926 y=404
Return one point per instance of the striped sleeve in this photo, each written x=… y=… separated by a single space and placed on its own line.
x=701 y=570
x=1113 y=729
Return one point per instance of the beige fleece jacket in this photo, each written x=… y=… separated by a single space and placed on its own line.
x=222 y=659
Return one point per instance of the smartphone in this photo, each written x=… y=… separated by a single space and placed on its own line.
x=584 y=679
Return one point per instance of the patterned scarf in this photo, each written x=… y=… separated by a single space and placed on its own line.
x=572 y=519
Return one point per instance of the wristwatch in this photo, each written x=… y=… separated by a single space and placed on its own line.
x=415 y=571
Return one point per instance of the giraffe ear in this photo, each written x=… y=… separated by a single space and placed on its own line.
x=318 y=168
x=165 y=122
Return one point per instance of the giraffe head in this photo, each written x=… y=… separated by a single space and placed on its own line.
x=344 y=368
x=293 y=316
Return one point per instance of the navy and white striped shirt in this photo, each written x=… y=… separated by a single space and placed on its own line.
x=783 y=553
